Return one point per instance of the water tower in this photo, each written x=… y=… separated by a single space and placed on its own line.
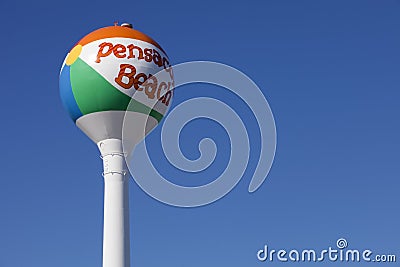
x=110 y=76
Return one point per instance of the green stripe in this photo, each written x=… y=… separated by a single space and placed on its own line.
x=142 y=108
x=93 y=93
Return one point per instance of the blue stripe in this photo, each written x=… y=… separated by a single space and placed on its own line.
x=67 y=96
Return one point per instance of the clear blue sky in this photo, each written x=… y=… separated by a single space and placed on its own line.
x=330 y=71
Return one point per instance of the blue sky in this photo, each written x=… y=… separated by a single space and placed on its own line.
x=330 y=71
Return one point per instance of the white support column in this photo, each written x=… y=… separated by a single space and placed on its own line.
x=116 y=205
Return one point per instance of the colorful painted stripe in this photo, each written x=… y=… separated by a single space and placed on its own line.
x=84 y=91
x=67 y=96
x=117 y=31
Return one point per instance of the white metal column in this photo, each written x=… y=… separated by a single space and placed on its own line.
x=116 y=205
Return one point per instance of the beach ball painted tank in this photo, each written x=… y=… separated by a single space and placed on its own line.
x=111 y=72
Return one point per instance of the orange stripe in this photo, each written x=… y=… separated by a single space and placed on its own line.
x=117 y=31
